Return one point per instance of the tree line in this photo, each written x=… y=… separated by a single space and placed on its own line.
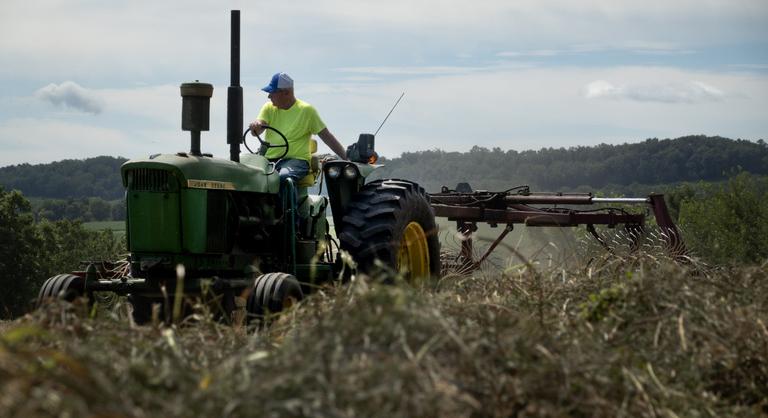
x=83 y=209
x=91 y=189
x=86 y=190
x=67 y=179
x=600 y=167
x=31 y=251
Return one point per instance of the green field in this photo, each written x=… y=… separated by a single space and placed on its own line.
x=115 y=226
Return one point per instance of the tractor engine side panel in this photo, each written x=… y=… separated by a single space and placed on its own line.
x=153 y=211
x=165 y=218
x=206 y=226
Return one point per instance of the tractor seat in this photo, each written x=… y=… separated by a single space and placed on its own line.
x=314 y=166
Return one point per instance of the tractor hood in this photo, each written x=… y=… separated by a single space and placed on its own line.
x=253 y=174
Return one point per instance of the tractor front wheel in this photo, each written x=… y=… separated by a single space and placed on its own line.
x=273 y=293
x=64 y=286
x=392 y=221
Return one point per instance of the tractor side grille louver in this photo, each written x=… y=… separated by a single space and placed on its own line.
x=150 y=180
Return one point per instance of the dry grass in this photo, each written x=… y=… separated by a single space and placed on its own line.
x=625 y=336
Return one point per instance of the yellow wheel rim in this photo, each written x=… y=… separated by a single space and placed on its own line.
x=413 y=255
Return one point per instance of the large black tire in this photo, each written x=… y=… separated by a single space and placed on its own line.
x=273 y=293
x=64 y=286
x=379 y=219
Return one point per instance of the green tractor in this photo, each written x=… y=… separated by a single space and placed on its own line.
x=198 y=225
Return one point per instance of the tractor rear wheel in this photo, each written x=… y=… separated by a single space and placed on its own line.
x=64 y=286
x=273 y=293
x=392 y=221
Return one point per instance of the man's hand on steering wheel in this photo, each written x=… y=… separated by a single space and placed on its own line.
x=257 y=127
x=264 y=144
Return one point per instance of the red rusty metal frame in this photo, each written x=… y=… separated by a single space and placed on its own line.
x=494 y=208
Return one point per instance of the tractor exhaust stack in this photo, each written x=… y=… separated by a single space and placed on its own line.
x=234 y=92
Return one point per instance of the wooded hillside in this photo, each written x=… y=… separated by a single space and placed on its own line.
x=91 y=177
x=651 y=162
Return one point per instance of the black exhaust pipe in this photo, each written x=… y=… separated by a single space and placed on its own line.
x=234 y=92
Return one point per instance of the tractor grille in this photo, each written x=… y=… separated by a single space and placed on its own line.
x=149 y=179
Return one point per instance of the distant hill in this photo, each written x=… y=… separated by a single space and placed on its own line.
x=651 y=162
x=91 y=177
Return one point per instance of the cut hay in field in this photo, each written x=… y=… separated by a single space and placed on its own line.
x=639 y=337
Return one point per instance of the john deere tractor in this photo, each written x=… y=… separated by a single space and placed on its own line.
x=197 y=224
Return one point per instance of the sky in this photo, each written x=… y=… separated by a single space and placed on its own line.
x=83 y=78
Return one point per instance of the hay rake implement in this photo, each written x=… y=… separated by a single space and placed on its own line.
x=519 y=205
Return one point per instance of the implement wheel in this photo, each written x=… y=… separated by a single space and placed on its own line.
x=64 y=286
x=392 y=221
x=273 y=293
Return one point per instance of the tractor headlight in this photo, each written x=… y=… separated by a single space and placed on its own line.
x=350 y=172
x=334 y=172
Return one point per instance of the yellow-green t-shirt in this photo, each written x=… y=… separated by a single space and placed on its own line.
x=297 y=123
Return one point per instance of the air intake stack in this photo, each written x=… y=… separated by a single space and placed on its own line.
x=195 y=111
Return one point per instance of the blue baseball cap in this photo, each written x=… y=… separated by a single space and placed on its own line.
x=279 y=81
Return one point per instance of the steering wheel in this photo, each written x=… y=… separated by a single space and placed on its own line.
x=265 y=146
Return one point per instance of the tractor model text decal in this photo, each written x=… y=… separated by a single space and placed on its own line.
x=208 y=184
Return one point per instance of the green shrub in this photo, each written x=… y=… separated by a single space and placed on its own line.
x=31 y=252
x=729 y=225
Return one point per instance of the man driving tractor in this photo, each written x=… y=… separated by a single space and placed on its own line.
x=298 y=121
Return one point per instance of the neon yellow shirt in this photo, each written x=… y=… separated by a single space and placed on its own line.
x=297 y=123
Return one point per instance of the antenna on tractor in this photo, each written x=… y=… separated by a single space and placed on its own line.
x=362 y=151
x=390 y=112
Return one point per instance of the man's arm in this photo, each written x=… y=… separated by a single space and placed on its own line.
x=257 y=127
x=332 y=143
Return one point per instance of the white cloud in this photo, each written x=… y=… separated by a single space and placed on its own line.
x=688 y=92
x=72 y=95
x=601 y=88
